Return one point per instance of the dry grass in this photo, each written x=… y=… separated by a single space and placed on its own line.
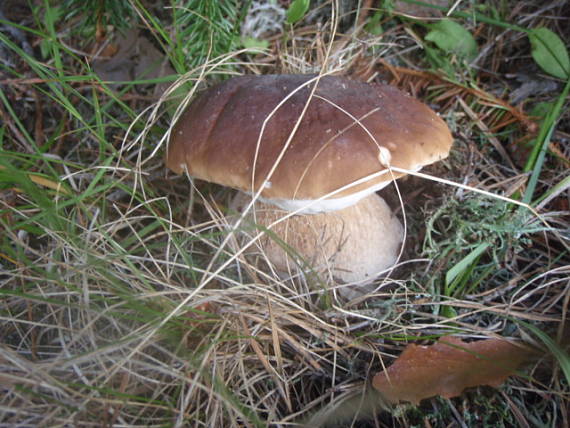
x=127 y=301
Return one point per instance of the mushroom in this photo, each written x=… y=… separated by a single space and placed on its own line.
x=352 y=245
x=319 y=147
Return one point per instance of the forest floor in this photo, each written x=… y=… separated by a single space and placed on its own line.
x=126 y=302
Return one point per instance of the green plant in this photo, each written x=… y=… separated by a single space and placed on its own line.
x=452 y=37
x=96 y=15
x=460 y=233
x=206 y=29
x=297 y=10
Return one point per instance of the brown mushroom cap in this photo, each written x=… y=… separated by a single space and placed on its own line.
x=219 y=138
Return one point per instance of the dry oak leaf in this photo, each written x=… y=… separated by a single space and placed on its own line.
x=448 y=367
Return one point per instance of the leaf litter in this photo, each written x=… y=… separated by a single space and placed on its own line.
x=132 y=57
x=448 y=367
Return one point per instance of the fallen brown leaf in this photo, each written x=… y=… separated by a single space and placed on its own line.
x=132 y=57
x=448 y=367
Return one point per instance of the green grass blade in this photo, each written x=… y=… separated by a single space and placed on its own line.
x=464 y=264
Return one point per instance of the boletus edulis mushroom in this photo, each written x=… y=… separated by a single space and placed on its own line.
x=317 y=146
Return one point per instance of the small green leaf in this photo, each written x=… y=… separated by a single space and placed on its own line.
x=549 y=52
x=449 y=36
x=297 y=10
x=448 y=311
x=373 y=26
x=464 y=263
x=254 y=44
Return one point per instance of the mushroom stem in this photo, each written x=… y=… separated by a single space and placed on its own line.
x=352 y=245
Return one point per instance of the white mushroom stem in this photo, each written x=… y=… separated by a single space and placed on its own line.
x=353 y=245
